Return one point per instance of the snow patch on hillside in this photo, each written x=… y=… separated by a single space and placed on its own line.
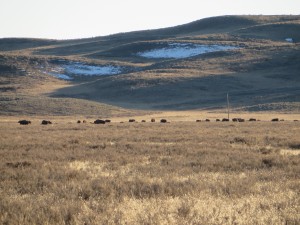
x=71 y=69
x=183 y=50
x=87 y=70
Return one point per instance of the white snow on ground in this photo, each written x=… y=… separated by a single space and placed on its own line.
x=289 y=40
x=81 y=69
x=61 y=76
x=67 y=71
x=181 y=50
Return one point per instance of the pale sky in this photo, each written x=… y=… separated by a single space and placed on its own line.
x=65 y=19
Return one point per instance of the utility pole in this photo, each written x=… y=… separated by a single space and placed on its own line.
x=228 y=105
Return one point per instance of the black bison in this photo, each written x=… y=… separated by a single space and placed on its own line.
x=218 y=120
x=198 y=121
x=238 y=120
x=84 y=121
x=207 y=120
x=152 y=120
x=24 y=122
x=252 y=119
x=107 y=121
x=46 y=122
x=275 y=120
x=163 y=121
x=225 y=120
x=131 y=120
x=143 y=121
x=99 y=122
x=296 y=120
x=78 y=121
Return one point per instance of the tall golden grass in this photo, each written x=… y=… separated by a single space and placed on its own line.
x=150 y=173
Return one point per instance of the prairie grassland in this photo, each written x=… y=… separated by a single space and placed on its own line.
x=150 y=173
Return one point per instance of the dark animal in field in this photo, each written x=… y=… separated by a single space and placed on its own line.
x=217 y=120
x=152 y=120
x=238 y=120
x=143 y=121
x=131 y=120
x=24 y=122
x=84 y=121
x=275 y=120
x=282 y=120
x=99 y=122
x=107 y=121
x=198 y=121
x=252 y=119
x=296 y=120
x=207 y=120
x=163 y=121
x=46 y=122
x=225 y=120
x=78 y=121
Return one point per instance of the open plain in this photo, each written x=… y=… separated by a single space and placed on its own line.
x=149 y=173
x=178 y=172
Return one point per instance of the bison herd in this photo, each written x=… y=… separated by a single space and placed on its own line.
x=100 y=121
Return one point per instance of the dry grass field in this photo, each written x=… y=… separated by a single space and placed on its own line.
x=180 y=172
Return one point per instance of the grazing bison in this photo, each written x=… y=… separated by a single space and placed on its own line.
x=238 y=120
x=225 y=120
x=143 y=121
x=252 y=119
x=163 y=121
x=99 y=122
x=207 y=120
x=296 y=120
x=78 y=121
x=218 y=120
x=131 y=120
x=198 y=121
x=275 y=120
x=24 y=122
x=84 y=121
x=46 y=122
x=152 y=120
x=107 y=121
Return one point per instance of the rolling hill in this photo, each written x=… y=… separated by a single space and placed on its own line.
x=256 y=59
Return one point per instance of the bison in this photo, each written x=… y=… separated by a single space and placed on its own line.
x=225 y=120
x=78 y=121
x=207 y=120
x=24 y=122
x=107 y=121
x=217 y=120
x=46 y=122
x=163 y=121
x=152 y=120
x=99 y=122
x=275 y=120
x=131 y=120
x=252 y=119
x=198 y=121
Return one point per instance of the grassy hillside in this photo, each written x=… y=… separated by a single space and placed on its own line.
x=263 y=69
